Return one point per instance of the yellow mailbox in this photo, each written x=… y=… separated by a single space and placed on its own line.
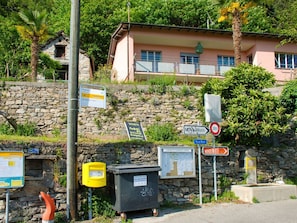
x=94 y=174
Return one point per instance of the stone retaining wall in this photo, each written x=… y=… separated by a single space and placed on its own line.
x=46 y=105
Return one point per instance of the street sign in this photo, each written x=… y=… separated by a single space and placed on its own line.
x=215 y=151
x=200 y=141
x=215 y=128
x=195 y=130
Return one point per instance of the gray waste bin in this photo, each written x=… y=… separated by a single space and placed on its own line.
x=133 y=187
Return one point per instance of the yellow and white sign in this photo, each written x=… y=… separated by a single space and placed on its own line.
x=92 y=97
x=12 y=169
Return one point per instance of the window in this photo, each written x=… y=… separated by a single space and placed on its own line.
x=60 y=51
x=226 y=61
x=250 y=59
x=285 y=60
x=187 y=58
x=151 y=56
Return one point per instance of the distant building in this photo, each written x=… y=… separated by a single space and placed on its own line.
x=58 y=48
x=143 y=51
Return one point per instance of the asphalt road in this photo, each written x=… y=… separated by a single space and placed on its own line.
x=266 y=212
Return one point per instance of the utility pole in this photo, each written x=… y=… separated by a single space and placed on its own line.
x=72 y=183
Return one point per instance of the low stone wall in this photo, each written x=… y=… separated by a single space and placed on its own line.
x=43 y=171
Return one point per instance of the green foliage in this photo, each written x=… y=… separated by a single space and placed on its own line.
x=291 y=181
x=103 y=74
x=227 y=196
x=101 y=206
x=26 y=129
x=288 y=97
x=188 y=104
x=255 y=200
x=60 y=217
x=6 y=129
x=48 y=67
x=63 y=180
x=161 y=85
x=249 y=113
x=225 y=183
x=161 y=132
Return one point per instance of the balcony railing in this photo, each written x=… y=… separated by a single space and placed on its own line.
x=180 y=68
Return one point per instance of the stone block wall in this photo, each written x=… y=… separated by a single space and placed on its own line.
x=46 y=105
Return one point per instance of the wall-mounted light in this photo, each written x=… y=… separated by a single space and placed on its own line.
x=199 y=48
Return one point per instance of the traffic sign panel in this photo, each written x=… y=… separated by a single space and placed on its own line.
x=200 y=141
x=215 y=128
x=215 y=151
x=195 y=130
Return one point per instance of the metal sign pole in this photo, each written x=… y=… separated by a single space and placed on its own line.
x=215 y=171
x=7 y=207
x=90 y=203
x=199 y=173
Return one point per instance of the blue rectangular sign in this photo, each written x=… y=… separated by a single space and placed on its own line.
x=200 y=141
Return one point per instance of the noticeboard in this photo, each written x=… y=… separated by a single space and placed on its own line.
x=92 y=96
x=135 y=131
x=12 y=169
x=176 y=162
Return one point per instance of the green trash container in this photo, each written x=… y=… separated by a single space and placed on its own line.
x=133 y=187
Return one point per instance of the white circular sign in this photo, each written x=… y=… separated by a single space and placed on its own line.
x=215 y=128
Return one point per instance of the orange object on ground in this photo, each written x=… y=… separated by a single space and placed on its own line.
x=49 y=214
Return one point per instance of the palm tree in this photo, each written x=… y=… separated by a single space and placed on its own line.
x=32 y=26
x=235 y=11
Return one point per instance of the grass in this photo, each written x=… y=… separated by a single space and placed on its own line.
x=61 y=139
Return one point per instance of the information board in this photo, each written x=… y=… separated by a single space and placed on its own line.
x=176 y=162
x=92 y=96
x=134 y=130
x=12 y=169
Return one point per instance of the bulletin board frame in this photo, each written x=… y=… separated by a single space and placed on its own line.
x=12 y=165
x=176 y=162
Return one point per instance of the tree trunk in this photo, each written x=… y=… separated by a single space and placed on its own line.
x=236 y=27
x=34 y=57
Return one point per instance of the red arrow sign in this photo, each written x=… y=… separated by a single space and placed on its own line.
x=215 y=151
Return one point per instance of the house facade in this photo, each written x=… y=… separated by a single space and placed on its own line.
x=142 y=51
x=58 y=48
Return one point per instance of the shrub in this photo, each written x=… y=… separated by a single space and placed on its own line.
x=288 y=97
x=159 y=132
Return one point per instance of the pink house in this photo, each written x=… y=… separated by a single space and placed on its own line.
x=142 y=51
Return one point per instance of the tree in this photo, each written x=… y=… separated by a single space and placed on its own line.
x=248 y=112
x=32 y=26
x=236 y=12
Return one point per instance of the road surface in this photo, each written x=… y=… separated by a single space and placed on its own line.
x=267 y=212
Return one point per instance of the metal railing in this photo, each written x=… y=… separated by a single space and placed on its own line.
x=180 y=68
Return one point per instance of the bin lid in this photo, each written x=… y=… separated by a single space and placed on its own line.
x=132 y=168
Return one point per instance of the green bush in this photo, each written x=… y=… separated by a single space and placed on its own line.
x=161 y=85
x=26 y=129
x=288 y=97
x=6 y=129
x=162 y=132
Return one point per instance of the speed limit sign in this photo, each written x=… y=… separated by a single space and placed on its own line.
x=215 y=128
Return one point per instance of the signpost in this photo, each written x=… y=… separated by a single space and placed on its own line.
x=215 y=151
x=195 y=130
